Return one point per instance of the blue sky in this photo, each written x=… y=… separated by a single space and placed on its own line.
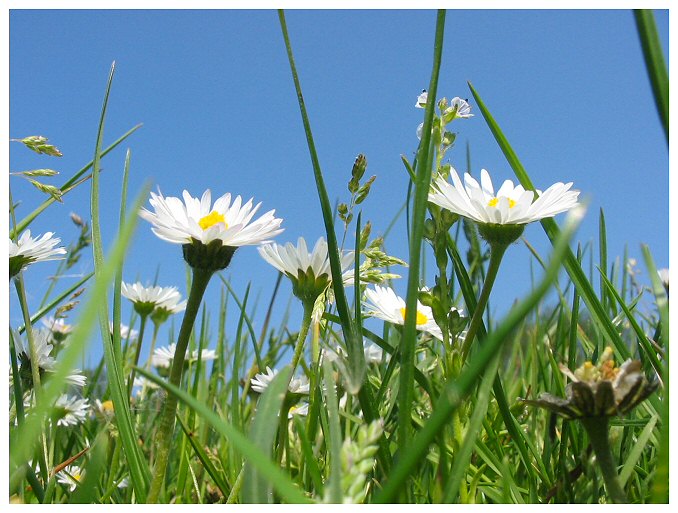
x=214 y=92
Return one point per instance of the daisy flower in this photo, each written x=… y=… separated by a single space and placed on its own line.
x=385 y=304
x=210 y=232
x=27 y=250
x=45 y=360
x=71 y=476
x=510 y=205
x=126 y=333
x=147 y=299
x=310 y=272
x=260 y=381
x=163 y=356
x=71 y=411
x=298 y=409
x=104 y=410
x=60 y=330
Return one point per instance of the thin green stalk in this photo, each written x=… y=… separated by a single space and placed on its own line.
x=496 y=254
x=165 y=431
x=301 y=337
x=598 y=431
x=137 y=352
x=406 y=388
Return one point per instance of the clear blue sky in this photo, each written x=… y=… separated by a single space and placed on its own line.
x=214 y=92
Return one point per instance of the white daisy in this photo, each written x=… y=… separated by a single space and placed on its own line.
x=71 y=411
x=385 y=304
x=126 y=333
x=310 y=272
x=28 y=250
x=664 y=277
x=71 y=476
x=46 y=362
x=163 y=356
x=60 y=330
x=181 y=222
x=104 y=410
x=298 y=409
x=260 y=381
x=147 y=299
x=509 y=205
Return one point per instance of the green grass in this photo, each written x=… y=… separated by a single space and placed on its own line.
x=429 y=423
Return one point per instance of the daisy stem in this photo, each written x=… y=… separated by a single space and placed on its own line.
x=598 y=431
x=301 y=338
x=142 y=327
x=163 y=437
x=35 y=367
x=496 y=254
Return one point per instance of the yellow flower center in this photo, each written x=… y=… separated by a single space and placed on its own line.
x=107 y=406
x=211 y=219
x=493 y=202
x=421 y=318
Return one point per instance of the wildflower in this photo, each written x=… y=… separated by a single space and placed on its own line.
x=310 y=272
x=71 y=411
x=45 y=361
x=60 y=330
x=664 y=277
x=373 y=353
x=28 y=250
x=298 y=409
x=71 y=476
x=421 y=100
x=260 y=381
x=126 y=333
x=147 y=299
x=163 y=356
x=602 y=390
x=210 y=234
x=510 y=207
x=385 y=304
x=104 y=410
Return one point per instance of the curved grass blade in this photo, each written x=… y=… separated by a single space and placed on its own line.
x=256 y=488
x=571 y=264
x=139 y=471
x=423 y=184
x=280 y=481
x=454 y=391
x=654 y=61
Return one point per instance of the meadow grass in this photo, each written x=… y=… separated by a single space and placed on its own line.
x=420 y=419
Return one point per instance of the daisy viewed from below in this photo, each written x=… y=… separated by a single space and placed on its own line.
x=148 y=299
x=511 y=204
x=126 y=333
x=260 y=381
x=210 y=232
x=310 y=272
x=60 y=330
x=27 y=250
x=163 y=356
x=385 y=304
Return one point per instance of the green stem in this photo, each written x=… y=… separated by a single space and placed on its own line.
x=301 y=338
x=201 y=278
x=496 y=254
x=142 y=327
x=598 y=431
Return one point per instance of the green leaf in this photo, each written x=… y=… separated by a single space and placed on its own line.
x=334 y=435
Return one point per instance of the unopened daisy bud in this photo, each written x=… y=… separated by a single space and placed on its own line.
x=210 y=233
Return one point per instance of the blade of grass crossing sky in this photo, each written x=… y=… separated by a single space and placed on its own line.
x=454 y=391
x=139 y=472
x=423 y=183
x=280 y=481
x=654 y=61
x=571 y=264
x=353 y=341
